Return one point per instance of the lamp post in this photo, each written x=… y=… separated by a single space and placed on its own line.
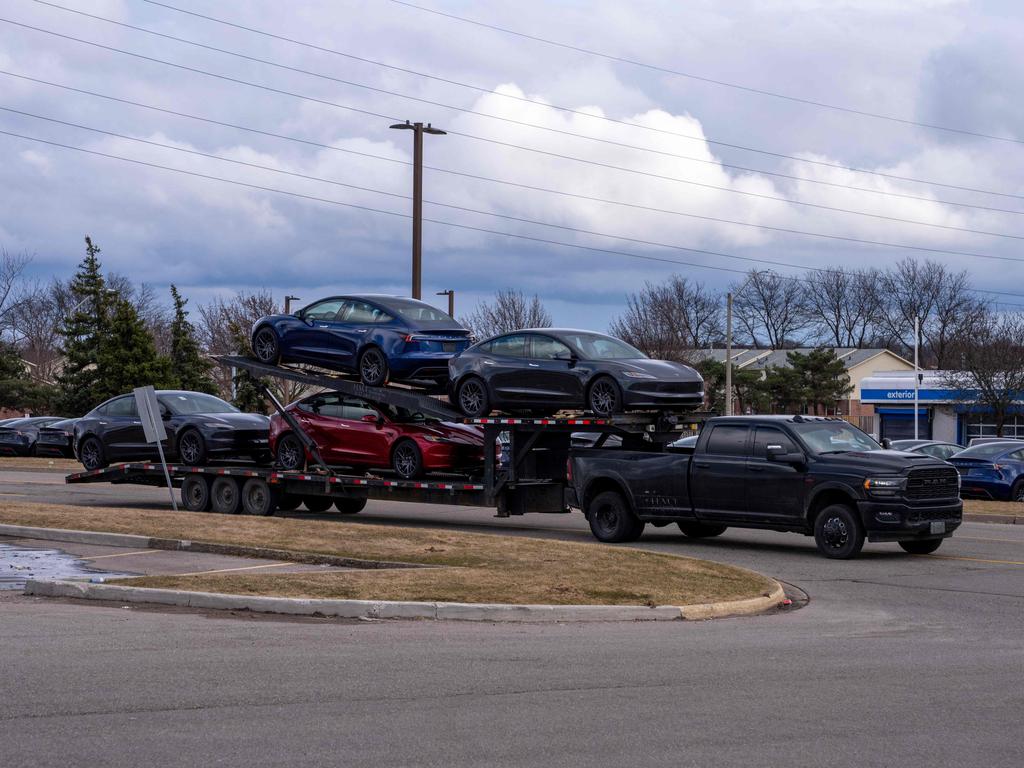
x=288 y=303
x=451 y=300
x=917 y=375
x=728 y=342
x=418 y=130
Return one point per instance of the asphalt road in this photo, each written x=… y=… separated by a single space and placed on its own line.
x=895 y=660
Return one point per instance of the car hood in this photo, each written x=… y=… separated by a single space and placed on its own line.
x=892 y=462
x=663 y=369
x=466 y=433
x=233 y=420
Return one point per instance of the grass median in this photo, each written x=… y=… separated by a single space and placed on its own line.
x=474 y=568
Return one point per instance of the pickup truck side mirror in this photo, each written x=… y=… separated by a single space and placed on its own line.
x=775 y=452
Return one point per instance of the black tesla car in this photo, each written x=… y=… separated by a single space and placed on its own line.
x=56 y=439
x=542 y=370
x=199 y=427
x=18 y=437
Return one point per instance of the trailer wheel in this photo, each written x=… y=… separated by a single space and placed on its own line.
x=286 y=502
x=701 y=530
x=317 y=503
x=291 y=455
x=259 y=497
x=227 y=496
x=90 y=453
x=349 y=506
x=611 y=519
x=195 y=493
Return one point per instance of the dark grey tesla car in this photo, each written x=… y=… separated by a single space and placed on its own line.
x=543 y=370
x=199 y=427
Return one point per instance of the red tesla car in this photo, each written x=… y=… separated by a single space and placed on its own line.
x=349 y=431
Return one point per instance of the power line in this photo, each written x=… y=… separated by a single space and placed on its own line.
x=581 y=113
x=710 y=80
x=534 y=221
x=595 y=163
x=445 y=223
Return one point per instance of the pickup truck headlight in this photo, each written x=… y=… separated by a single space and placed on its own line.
x=638 y=375
x=885 y=486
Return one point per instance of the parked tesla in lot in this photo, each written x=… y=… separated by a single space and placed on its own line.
x=350 y=431
x=18 y=437
x=56 y=439
x=992 y=471
x=378 y=337
x=199 y=427
x=547 y=369
x=934 y=448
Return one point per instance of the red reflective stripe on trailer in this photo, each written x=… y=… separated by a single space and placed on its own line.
x=360 y=481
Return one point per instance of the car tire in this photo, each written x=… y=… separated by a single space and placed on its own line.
x=611 y=519
x=701 y=530
x=291 y=454
x=317 y=504
x=227 y=496
x=349 y=506
x=259 y=497
x=1017 y=491
x=471 y=397
x=407 y=459
x=921 y=546
x=92 y=455
x=838 y=532
x=373 y=367
x=192 y=448
x=286 y=502
x=195 y=493
x=266 y=346
x=604 y=397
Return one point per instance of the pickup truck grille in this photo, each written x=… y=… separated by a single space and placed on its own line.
x=927 y=484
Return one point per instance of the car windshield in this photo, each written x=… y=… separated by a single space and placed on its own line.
x=987 y=450
x=833 y=437
x=597 y=346
x=417 y=312
x=402 y=415
x=187 y=403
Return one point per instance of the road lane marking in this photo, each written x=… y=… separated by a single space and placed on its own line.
x=124 y=554
x=976 y=560
x=229 y=570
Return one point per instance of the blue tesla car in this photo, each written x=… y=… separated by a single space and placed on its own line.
x=380 y=338
x=992 y=470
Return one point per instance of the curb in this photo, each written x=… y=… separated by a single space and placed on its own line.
x=988 y=517
x=387 y=609
x=145 y=542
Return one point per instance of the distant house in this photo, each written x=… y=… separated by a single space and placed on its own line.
x=860 y=364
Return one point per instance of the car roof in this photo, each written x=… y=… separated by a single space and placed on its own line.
x=60 y=424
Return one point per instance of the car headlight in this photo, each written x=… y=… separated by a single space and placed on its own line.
x=885 y=486
x=639 y=375
x=216 y=425
x=436 y=439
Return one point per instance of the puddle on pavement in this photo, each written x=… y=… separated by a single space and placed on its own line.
x=18 y=564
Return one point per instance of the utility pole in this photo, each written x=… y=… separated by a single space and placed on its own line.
x=288 y=303
x=728 y=354
x=451 y=300
x=418 y=130
x=917 y=376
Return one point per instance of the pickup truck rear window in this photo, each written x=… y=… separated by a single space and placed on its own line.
x=728 y=440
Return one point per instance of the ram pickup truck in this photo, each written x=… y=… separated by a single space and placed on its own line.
x=812 y=475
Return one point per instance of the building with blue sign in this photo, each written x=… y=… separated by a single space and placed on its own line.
x=944 y=413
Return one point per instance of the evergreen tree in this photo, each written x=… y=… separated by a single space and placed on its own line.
x=84 y=327
x=127 y=355
x=17 y=389
x=191 y=369
x=816 y=379
x=11 y=365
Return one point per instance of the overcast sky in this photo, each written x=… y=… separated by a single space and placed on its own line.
x=942 y=62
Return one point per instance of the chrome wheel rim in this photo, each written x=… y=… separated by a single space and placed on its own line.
x=471 y=397
x=603 y=397
x=289 y=454
x=405 y=460
x=835 y=533
x=189 y=448
x=266 y=346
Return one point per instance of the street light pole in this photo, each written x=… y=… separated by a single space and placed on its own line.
x=728 y=342
x=451 y=300
x=288 y=303
x=418 y=130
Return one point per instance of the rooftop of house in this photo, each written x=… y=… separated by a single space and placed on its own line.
x=759 y=359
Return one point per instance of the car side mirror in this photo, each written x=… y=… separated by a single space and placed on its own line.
x=373 y=418
x=571 y=359
x=165 y=414
x=886 y=443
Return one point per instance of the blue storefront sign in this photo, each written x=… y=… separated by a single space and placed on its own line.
x=907 y=395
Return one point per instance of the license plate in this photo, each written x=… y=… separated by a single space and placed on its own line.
x=449 y=346
x=938 y=527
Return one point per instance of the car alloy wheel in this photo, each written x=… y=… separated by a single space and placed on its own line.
x=91 y=454
x=604 y=397
x=1018 y=491
x=290 y=454
x=373 y=368
x=265 y=346
x=472 y=397
x=191 y=449
x=406 y=459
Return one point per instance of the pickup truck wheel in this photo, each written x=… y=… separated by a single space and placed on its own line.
x=701 y=530
x=921 y=546
x=611 y=519
x=838 y=533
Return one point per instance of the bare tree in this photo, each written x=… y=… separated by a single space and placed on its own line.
x=844 y=306
x=772 y=309
x=665 y=320
x=989 y=358
x=37 y=322
x=509 y=311
x=12 y=287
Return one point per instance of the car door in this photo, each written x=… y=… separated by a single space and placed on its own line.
x=550 y=371
x=123 y=436
x=313 y=415
x=367 y=442
x=717 y=480
x=504 y=369
x=315 y=339
x=775 y=490
x=355 y=321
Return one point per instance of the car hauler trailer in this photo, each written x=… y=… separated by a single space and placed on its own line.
x=533 y=479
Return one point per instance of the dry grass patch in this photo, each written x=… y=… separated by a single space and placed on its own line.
x=480 y=567
x=39 y=463
x=984 y=506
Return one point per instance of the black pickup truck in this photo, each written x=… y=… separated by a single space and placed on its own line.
x=811 y=475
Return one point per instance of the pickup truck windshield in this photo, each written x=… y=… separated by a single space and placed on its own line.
x=833 y=437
